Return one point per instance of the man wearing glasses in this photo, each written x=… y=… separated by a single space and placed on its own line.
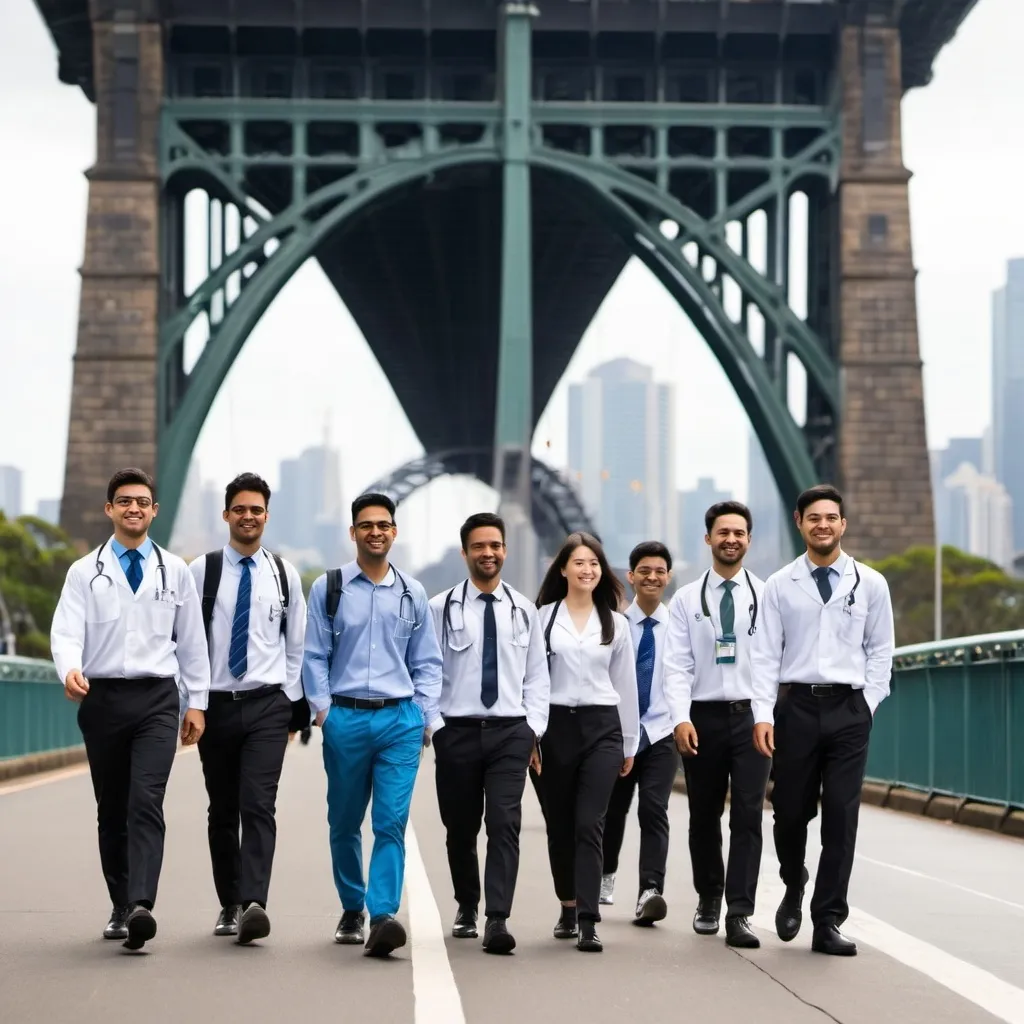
x=255 y=617
x=656 y=763
x=372 y=676
x=495 y=699
x=127 y=624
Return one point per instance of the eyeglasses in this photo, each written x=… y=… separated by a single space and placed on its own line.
x=241 y=510
x=126 y=502
x=367 y=527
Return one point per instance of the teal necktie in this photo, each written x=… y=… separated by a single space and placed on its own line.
x=728 y=609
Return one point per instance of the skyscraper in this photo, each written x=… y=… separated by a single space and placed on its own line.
x=621 y=455
x=1008 y=391
x=692 y=529
x=771 y=544
x=10 y=491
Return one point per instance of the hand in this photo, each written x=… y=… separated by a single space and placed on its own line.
x=426 y=737
x=321 y=717
x=764 y=739
x=627 y=767
x=193 y=727
x=535 y=758
x=291 y=736
x=686 y=739
x=76 y=686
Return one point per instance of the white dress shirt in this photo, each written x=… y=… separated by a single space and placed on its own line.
x=585 y=672
x=801 y=640
x=523 y=684
x=657 y=721
x=106 y=631
x=691 y=672
x=270 y=657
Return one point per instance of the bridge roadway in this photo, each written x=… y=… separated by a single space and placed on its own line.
x=938 y=912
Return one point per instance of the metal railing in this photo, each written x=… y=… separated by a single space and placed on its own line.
x=34 y=715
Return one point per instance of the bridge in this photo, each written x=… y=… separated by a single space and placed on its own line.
x=472 y=177
x=936 y=906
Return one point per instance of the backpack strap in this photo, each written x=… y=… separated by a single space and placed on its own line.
x=547 y=631
x=333 y=601
x=282 y=579
x=211 y=582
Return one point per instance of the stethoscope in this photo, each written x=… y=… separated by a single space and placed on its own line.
x=520 y=620
x=751 y=611
x=406 y=596
x=102 y=574
x=850 y=599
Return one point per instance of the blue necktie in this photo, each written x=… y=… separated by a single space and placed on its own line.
x=489 y=666
x=134 y=572
x=824 y=581
x=645 y=665
x=238 y=652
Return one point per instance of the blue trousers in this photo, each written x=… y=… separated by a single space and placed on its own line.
x=368 y=752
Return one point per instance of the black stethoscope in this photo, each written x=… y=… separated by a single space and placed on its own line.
x=850 y=599
x=406 y=596
x=751 y=611
x=102 y=574
x=520 y=620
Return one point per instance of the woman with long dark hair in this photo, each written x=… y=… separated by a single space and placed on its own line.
x=594 y=726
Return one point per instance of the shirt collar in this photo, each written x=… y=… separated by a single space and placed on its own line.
x=235 y=557
x=838 y=566
x=636 y=614
x=473 y=592
x=144 y=548
x=715 y=581
x=352 y=570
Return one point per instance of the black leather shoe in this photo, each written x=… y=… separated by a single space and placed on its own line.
x=141 y=927
x=738 y=933
x=497 y=938
x=350 y=929
x=116 y=927
x=828 y=939
x=227 y=921
x=253 y=924
x=386 y=935
x=588 y=942
x=789 y=916
x=650 y=907
x=465 y=924
x=567 y=927
x=705 y=921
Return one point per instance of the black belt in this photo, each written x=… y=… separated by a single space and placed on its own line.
x=132 y=679
x=366 y=703
x=482 y=723
x=819 y=689
x=735 y=707
x=255 y=691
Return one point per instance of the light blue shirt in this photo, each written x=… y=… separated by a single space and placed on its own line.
x=122 y=553
x=384 y=643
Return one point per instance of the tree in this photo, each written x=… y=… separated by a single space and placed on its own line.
x=977 y=596
x=34 y=559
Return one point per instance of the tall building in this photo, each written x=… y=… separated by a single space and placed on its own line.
x=771 y=544
x=694 y=504
x=958 y=452
x=10 y=491
x=1008 y=391
x=980 y=515
x=621 y=455
x=48 y=510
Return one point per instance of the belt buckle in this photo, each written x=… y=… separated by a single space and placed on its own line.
x=376 y=703
x=736 y=706
x=238 y=695
x=821 y=689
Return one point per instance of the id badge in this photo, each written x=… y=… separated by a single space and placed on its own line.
x=725 y=649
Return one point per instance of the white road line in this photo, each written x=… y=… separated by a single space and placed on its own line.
x=435 y=993
x=982 y=988
x=59 y=775
x=940 y=881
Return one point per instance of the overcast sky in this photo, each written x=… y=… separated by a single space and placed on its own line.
x=962 y=140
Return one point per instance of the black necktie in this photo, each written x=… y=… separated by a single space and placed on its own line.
x=489 y=667
x=823 y=578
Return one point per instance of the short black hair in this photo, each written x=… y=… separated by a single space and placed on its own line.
x=820 y=492
x=132 y=475
x=478 y=519
x=369 y=500
x=246 y=482
x=727 y=508
x=649 y=549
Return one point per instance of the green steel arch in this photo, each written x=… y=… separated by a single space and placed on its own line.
x=629 y=205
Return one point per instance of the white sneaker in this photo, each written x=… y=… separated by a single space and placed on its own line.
x=607 y=889
x=650 y=907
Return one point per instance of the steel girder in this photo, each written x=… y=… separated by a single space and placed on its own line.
x=557 y=510
x=274 y=247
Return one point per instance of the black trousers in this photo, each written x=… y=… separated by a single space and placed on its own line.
x=654 y=771
x=480 y=772
x=130 y=729
x=242 y=751
x=582 y=757
x=726 y=762
x=821 y=746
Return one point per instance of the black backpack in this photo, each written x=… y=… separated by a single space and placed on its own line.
x=211 y=582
